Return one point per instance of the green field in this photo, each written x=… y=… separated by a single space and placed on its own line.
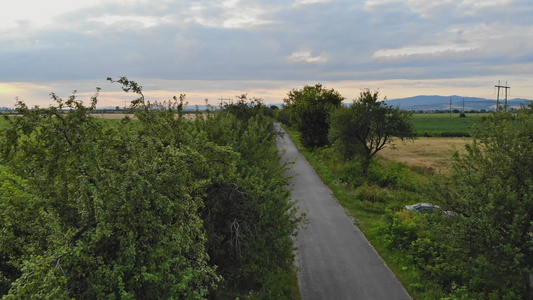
x=430 y=125
x=436 y=125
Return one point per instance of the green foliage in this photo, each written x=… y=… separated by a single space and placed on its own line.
x=366 y=127
x=283 y=116
x=124 y=202
x=309 y=110
x=249 y=218
x=244 y=109
x=136 y=209
x=483 y=250
x=398 y=230
x=490 y=190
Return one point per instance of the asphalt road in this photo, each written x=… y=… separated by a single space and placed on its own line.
x=334 y=258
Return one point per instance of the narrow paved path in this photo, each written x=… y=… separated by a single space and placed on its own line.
x=334 y=258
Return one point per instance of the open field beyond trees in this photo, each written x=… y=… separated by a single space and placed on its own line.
x=445 y=125
x=428 y=153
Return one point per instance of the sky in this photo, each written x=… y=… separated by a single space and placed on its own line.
x=210 y=49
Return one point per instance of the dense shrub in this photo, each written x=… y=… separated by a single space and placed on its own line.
x=153 y=208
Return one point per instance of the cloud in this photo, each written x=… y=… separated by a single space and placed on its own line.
x=422 y=50
x=228 y=14
x=303 y=2
x=135 y=20
x=305 y=56
x=259 y=40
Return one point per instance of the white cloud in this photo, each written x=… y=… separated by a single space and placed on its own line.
x=422 y=50
x=429 y=9
x=112 y=19
x=302 y=2
x=39 y=13
x=374 y=5
x=229 y=14
x=484 y=3
x=306 y=56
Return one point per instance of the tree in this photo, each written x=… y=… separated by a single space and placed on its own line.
x=153 y=208
x=490 y=191
x=367 y=126
x=309 y=111
x=122 y=203
x=248 y=217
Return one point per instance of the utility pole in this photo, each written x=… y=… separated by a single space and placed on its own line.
x=506 y=87
x=463 y=105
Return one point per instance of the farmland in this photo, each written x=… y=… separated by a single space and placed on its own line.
x=433 y=154
x=438 y=136
x=445 y=125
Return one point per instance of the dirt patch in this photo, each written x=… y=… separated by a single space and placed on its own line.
x=430 y=153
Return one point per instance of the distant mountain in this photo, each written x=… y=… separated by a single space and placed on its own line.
x=429 y=103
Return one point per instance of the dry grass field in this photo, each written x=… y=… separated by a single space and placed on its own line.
x=430 y=153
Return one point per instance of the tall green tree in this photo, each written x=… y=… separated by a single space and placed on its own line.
x=123 y=203
x=249 y=217
x=153 y=208
x=489 y=239
x=309 y=109
x=367 y=126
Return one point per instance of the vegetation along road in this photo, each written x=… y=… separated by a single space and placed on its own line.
x=334 y=258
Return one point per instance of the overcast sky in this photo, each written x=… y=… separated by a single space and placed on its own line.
x=213 y=49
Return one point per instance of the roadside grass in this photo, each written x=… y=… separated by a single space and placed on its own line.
x=368 y=215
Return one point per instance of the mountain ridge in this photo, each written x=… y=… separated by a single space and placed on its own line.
x=436 y=102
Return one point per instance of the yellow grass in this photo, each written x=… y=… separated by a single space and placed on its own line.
x=430 y=153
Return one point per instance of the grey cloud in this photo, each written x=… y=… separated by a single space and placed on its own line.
x=188 y=43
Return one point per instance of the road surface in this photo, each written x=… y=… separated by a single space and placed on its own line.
x=334 y=258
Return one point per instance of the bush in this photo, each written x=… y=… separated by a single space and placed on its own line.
x=157 y=207
x=394 y=174
x=373 y=193
x=398 y=230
